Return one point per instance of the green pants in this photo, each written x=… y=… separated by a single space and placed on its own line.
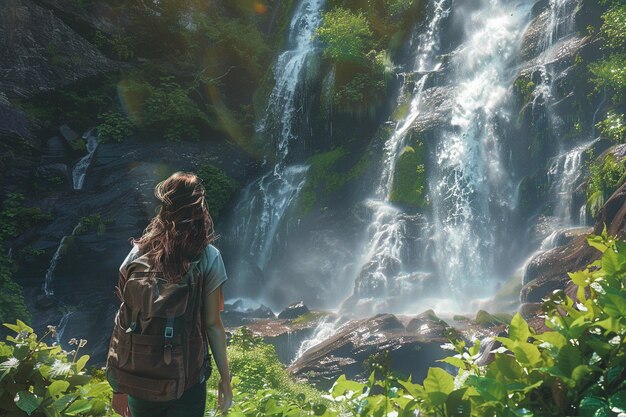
x=191 y=404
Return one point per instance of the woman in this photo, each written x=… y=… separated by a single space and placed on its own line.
x=177 y=238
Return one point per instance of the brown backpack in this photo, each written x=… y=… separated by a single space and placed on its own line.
x=158 y=347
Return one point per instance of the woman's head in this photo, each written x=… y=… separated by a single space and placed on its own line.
x=181 y=228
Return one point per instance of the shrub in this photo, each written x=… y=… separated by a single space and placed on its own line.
x=37 y=379
x=613 y=127
x=219 y=188
x=114 y=126
x=604 y=178
x=346 y=35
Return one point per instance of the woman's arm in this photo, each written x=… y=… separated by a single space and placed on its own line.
x=217 y=340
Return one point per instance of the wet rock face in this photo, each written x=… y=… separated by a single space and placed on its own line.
x=293 y=311
x=548 y=270
x=348 y=350
x=39 y=52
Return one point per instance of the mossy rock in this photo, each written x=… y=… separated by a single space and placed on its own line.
x=409 y=180
x=486 y=319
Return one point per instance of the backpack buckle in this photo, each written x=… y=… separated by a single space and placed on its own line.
x=169 y=332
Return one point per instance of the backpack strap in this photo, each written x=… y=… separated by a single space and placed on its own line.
x=168 y=335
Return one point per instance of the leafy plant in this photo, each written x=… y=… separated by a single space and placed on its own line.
x=613 y=127
x=345 y=34
x=219 y=188
x=114 y=126
x=37 y=379
x=604 y=178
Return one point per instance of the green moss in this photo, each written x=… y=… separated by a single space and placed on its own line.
x=409 y=180
x=219 y=188
x=309 y=317
x=326 y=177
x=524 y=87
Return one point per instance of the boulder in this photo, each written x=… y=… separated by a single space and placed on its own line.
x=347 y=351
x=293 y=311
x=548 y=271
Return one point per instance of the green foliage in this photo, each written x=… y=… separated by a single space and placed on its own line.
x=604 y=178
x=613 y=127
x=262 y=385
x=610 y=74
x=119 y=45
x=92 y=222
x=169 y=109
x=37 y=379
x=233 y=36
x=14 y=219
x=346 y=35
x=409 y=180
x=614 y=25
x=219 y=188
x=114 y=126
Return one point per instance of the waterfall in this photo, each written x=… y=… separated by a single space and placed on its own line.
x=259 y=214
x=58 y=338
x=563 y=175
x=81 y=167
x=261 y=208
x=471 y=191
x=47 y=286
x=382 y=260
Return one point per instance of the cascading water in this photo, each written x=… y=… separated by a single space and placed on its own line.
x=564 y=175
x=80 y=169
x=263 y=205
x=47 y=286
x=382 y=260
x=471 y=191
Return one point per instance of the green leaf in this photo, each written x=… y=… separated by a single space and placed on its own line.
x=343 y=386
x=456 y=405
x=24 y=327
x=617 y=402
x=589 y=406
x=27 y=402
x=556 y=339
x=518 y=329
x=78 y=407
x=508 y=367
x=81 y=362
x=415 y=390
x=527 y=354
x=614 y=303
x=21 y=351
x=568 y=359
x=58 y=387
x=438 y=380
x=614 y=262
x=456 y=362
x=489 y=388
x=580 y=278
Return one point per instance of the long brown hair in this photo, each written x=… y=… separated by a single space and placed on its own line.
x=182 y=227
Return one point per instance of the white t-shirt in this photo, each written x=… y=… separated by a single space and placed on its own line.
x=210 y=263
